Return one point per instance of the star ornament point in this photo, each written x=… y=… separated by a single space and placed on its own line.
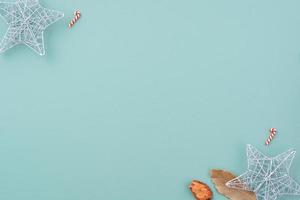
x=268 y=177
x=27 y=20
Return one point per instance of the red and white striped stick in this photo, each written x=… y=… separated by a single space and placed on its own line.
x=273 y=132
x=77 y=15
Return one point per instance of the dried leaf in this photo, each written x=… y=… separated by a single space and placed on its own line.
x=200 y=190
x=220 y=178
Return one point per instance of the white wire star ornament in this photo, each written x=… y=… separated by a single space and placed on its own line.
x=26 y=20
x=267 y=177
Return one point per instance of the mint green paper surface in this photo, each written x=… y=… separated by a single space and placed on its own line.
x=143 y=96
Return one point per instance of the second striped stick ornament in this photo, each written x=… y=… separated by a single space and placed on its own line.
x=76 y=17
x=272 y=134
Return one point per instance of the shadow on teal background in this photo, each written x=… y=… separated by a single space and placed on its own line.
x=141 y=97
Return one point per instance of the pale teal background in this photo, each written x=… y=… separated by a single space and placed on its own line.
x=143 y=96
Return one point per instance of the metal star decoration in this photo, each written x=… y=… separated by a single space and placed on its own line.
x=267 y=177
x=26 y=20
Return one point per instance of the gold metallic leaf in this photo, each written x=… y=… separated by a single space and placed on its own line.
x=220 y=178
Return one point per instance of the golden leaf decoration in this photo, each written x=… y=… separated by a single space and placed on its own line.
x=220 y=178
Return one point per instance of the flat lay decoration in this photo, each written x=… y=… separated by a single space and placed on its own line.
x=27 y=20
x=200 y=190
x=268 y=177
x=220 y=178
x=76 y=17
x=272 y=134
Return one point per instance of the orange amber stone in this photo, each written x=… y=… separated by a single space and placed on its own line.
x=200 y=190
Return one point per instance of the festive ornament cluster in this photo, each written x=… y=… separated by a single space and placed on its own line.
x=267 y=177
x=27 y=20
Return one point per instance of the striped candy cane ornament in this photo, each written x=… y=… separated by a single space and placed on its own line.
x=76 y=17
x=273 y=132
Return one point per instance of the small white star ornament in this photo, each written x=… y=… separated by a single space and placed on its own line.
x=268 y=177
x=26 y=20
